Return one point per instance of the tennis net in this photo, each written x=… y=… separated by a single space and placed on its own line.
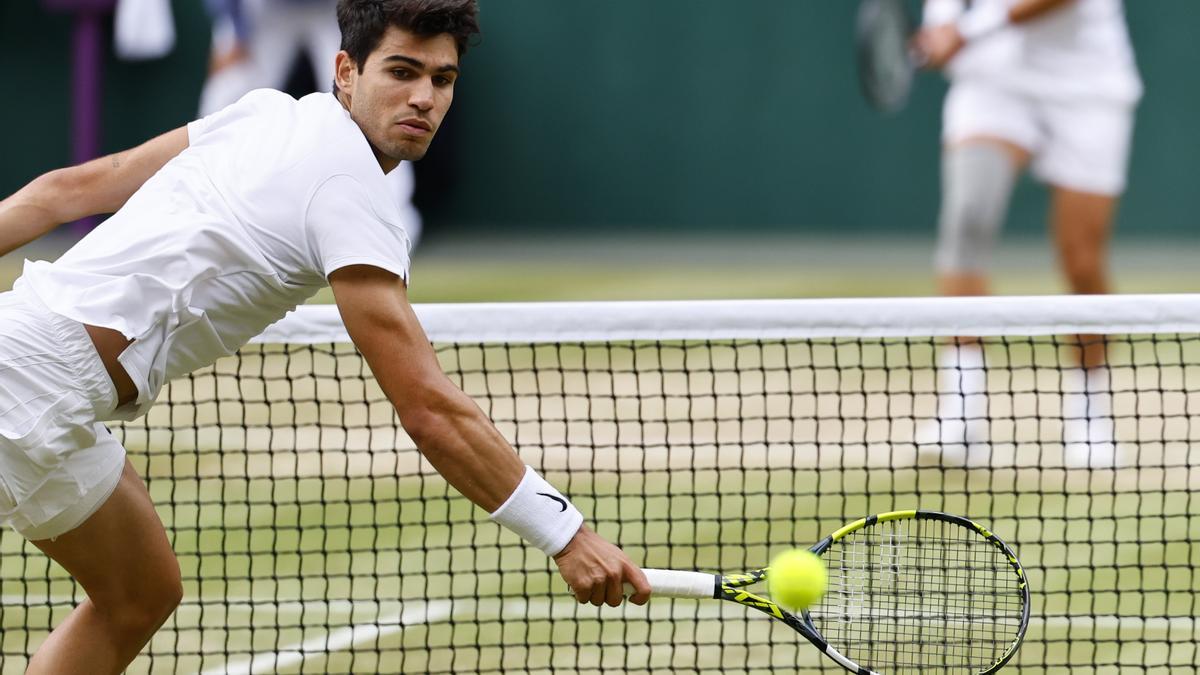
x=698 y=435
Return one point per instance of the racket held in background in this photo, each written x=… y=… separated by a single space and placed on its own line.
x=886 y=64
x=909 y=591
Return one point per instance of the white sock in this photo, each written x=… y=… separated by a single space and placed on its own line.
x=1086 y=393
x=962 y=382
x=1086 y=406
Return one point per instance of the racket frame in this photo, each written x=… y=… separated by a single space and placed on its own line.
x=731 y=587
x=865 y=47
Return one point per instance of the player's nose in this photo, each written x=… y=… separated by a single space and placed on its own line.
x=421 y=95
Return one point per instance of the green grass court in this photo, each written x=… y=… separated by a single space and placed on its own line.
x=308 y=545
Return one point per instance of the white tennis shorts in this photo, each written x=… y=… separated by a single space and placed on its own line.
x=58 y=465
x=1080 y=145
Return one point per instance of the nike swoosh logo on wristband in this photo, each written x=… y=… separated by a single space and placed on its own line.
x=562 y=503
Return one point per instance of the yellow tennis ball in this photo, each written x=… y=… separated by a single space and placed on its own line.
x=797 y=579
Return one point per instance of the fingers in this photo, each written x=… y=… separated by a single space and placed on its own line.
x=918 y=53
x=605 y=589
x=616 y=592
x=607 y=592
x=597 y=572
x=935 y=46
x=611 y=590
x=641 y=586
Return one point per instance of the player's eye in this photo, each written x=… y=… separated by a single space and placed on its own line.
x=402 y=73
x=443 y=80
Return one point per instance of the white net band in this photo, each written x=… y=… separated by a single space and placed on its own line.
x=771 y=319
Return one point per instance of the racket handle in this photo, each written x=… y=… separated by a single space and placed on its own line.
x=679 y=584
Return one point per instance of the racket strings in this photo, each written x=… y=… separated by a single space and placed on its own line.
x=914 y=595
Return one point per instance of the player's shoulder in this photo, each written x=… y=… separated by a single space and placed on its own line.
x=267 y=97
x=258 y=102
x=260 y=106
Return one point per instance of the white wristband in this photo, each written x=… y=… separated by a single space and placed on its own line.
x=983 y=20
x=539 y=513
x=941 y=12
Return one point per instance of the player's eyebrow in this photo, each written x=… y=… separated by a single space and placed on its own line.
x=415 y=63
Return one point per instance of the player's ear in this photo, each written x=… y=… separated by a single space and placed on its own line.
x=345 y=72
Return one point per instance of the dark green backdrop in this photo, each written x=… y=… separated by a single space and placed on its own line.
x=683 y=115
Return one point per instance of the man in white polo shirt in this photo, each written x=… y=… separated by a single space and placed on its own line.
x=1051 y=85
x=221 y=228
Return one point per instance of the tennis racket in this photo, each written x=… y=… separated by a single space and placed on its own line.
x=886 y=64
x=909 y=592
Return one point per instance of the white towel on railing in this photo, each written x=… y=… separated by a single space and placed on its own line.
x=143 y=29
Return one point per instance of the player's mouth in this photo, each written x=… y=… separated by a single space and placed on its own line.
x=415 y=127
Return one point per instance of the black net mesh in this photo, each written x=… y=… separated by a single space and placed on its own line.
x=313 y=538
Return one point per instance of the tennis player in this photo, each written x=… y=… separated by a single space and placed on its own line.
x=1050 y=85
x=220 y=228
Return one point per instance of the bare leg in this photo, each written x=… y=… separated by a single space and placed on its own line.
x=1081 y=224
x=957 y=284
x=121 y=557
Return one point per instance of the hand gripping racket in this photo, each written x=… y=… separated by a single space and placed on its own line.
x=909 y=592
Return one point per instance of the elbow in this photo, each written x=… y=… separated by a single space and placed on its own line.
x=40 y=203
x=420 y=423
x=59 y=184
x=61 y=193
x=44 y=192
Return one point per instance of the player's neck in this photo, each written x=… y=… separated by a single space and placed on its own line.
x=385 y=163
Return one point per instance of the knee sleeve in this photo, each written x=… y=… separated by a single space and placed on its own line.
x=977 y=184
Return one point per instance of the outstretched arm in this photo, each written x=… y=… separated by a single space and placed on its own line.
x=452 y=432
x=100 y=186
x=1027 y=10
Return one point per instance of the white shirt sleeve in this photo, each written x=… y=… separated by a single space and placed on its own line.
x=246 y=105
x=344 y=229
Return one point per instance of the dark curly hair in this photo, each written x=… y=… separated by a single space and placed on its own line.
x=363 y=22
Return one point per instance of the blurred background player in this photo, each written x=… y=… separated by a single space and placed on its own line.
x=1051 y=85
x=256 y=43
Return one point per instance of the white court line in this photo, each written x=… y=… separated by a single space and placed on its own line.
x=347 y=638
x=337 y=641
x=538 y=608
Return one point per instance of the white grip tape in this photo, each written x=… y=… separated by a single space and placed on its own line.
x=677 y=584
x=540 y=514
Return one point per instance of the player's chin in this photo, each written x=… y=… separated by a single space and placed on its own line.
x=409 y=150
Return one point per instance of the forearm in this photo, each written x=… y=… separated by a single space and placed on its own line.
x=462 y=444
x=448 y=428
x=467 y=450
x=1027 y=10
x=983 y=19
